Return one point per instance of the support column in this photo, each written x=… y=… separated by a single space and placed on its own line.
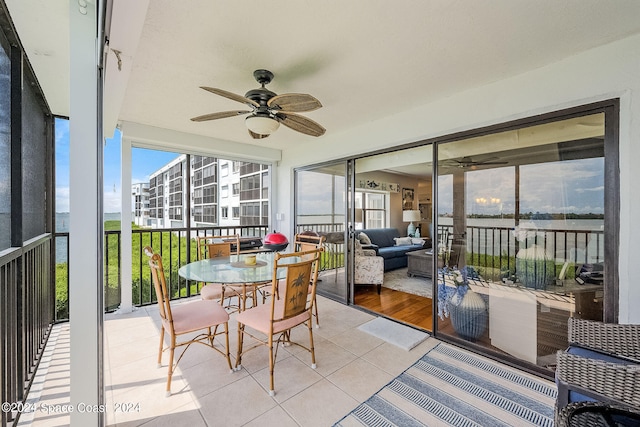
x=126 y=250
x=85 y=220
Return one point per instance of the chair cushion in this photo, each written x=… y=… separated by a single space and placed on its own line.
x=259 y=318
x=395 y=251
x=211 y=291
x=592 y=354
x=197 y=315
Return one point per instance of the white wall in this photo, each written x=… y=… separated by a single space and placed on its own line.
x=612 y=71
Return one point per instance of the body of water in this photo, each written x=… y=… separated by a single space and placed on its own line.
x=62 y=226
x=580 y=240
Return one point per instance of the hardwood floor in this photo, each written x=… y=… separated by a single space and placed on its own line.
x=408 y=308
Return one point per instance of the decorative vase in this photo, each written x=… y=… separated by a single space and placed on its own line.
x=468 y=315
x=535 y=267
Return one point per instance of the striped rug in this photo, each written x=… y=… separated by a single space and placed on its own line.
x=451 y=386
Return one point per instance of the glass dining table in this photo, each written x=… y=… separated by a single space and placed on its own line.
x=233 y=271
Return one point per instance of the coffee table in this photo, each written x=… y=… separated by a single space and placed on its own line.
x=420 y=263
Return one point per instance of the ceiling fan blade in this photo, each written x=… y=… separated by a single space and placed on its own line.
x=492 y=163
x=231 y=95
x=257 y=135
x=294 y=102
x=220 y=115
x=301 y=124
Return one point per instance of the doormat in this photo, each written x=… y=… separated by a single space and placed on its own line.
x=394 y=333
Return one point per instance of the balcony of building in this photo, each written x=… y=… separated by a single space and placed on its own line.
x=429 y=79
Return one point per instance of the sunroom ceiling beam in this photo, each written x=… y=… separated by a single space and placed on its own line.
x=155 y=138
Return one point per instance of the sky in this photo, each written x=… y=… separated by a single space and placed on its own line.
x=572 y=186
x=143 y=163
x=576 y=187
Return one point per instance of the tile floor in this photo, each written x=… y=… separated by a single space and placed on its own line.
x=351 y=366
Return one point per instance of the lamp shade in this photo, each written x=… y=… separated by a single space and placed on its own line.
x=411 y=215
x=262 y=125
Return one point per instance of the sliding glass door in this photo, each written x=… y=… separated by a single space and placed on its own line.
x=521 y=237
x=321 y=196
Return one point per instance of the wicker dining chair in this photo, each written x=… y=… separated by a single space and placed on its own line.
x=289 y=307
x=217 y=247
x=307 y=241
x=602 y=364
x=204 y=316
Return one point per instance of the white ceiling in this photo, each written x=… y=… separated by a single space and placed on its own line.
x=363 y=59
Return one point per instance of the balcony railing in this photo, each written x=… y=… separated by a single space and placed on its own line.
x=26 y=316
x=177 y=246
x=493 y=248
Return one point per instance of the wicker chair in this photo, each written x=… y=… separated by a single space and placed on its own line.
x=306 y=242
x=186 y=324
x=216 y=247
x=602 y=364
x=596 y=414
x=290 y=306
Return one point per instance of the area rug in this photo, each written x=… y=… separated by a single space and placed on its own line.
x=399 y=281
x=394 y=333
x=450 y=386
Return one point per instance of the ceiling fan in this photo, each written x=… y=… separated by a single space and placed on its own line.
x=268 y=110
x=466 y=162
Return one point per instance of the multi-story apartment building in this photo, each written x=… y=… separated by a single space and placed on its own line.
x=222 y=193
x=254 y=193
x=204 y=190
x=229 y=185
x=166 y=195
x=140 y=203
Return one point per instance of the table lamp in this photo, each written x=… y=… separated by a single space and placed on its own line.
x=410 y=216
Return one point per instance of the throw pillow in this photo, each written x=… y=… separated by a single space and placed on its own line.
x=402 y=241
x=417 y=241
x=364 y=239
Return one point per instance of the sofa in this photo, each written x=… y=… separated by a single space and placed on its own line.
x=389 y=245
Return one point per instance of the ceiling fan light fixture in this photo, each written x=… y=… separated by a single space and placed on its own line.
x=262 y=125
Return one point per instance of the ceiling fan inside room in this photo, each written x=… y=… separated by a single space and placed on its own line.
x=268 y=110
x=468 y=163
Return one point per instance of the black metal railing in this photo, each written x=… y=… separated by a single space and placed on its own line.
x=491 y=247
x=26 y=314
x=177 y=246
x=494 y=249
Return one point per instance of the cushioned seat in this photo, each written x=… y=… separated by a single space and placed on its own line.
x=389 y=245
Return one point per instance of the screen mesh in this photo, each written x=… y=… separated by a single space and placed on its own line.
x=5 y=149
x=34 y=165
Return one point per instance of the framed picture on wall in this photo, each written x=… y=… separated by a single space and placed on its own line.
x=407 y=198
